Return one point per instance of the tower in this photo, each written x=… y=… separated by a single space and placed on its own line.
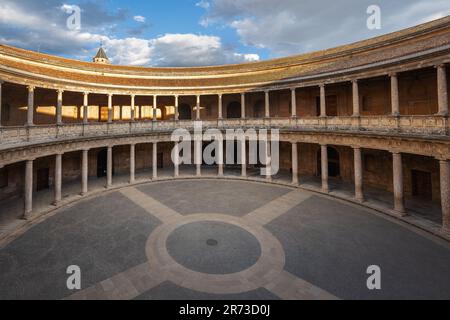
x=101 y=56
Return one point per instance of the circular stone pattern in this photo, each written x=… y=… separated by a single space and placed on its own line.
x=213 y=247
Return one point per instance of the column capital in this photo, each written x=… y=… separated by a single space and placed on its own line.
x=59 y=153
x=60 y=91
x=322 y=85
x=396 y=152
x=393 y=74
x=356 y=148
x=267 y=91
x=441 y=65
x=85 y=149
x=133 y=95
x=354 y=80
x=31 y=88
x=293 y=89
x=85 y=93
x=220 y=95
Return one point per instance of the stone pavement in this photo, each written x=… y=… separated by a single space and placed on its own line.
x=211 y=239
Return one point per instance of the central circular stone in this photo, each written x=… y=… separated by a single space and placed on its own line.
x=213 y=247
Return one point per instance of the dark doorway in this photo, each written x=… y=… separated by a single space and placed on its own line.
x=102 y=159
x=421 y=184
x=185 y=112
x=234 y=110
x=42 y=179
x=258 y=109
x=334 y=168
x=160 y=160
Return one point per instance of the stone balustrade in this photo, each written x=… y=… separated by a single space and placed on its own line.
x=431 y=126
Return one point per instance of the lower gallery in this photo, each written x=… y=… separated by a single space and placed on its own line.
x=87 y=178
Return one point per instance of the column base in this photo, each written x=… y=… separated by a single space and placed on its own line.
x=400 y=213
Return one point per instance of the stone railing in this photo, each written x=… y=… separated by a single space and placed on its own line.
x=433 y=126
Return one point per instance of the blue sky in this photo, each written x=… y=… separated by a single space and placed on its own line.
x=201 y=32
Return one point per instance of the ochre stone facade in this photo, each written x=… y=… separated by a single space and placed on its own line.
x=370 y=118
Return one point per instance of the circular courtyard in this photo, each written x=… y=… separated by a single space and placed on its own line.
x=221 y=239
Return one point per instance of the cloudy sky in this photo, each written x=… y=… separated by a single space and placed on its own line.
x=200 y=32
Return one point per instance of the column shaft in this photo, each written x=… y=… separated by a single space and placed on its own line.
x=293 y=103
x=132 y=163
x=155 y=160
x=220 y=116
x=30 y=109
x=58 y=179
x=59 y=104
x=176 y=160
x=133 y=107
x=85 y=107
x=177 y=115
x=268 y=160
x=267 y=104
x=445 y=194
x=109 y=165
x=110 y=108
x=295 y=163
x=442 y=90
x=359 y=193
x=84 y=172
x=198 y=157
x=399 y=201
x=324 y=165
x=243 y=158
x=356 y=104
x=155 y=108
x=197 y=109
x=395 y=101
x=323 y=101
x=220 y=157
x=28 y=192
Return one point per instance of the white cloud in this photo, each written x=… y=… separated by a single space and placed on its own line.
x=203 y=4
x=139 y=19
x=294 y=26
x=37 y=31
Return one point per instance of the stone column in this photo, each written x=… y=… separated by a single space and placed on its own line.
x=132 y=163
x=395 y=101
x=399 y=201
x=109 y=167
x=58 y=179
x=177 y=115
x=356 y=104
x=293 y=103
x=110 y=108
x=85 y=107
x=324 y=163
x=220 y=157
x=28 y=192
x=155 y=160
x=243 y=105
x=323 y=101
x=442 y=90
x=220 y=116
x=357 y=155
x=1 y=83
x=197 y=108
x=84 y=172
x=294 y=163
x=198 y=157
x=243 y=158
x=133 y=111
x=30 y=109
x=267 y=103
x=176 y=159
x=155 y=108
x=59 y=105
x=268 y=161
x=445 y=194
